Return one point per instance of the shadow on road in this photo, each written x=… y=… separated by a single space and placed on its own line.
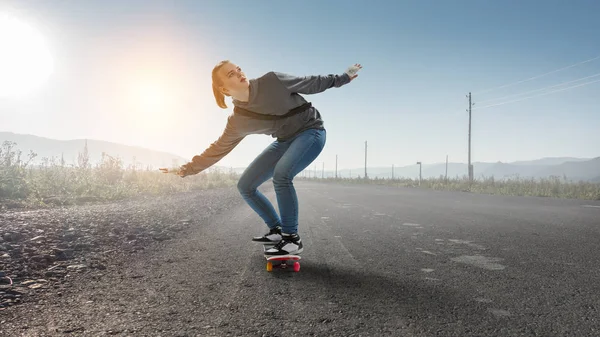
x=376 y=299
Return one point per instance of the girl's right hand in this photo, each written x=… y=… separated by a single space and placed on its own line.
x=177 y=171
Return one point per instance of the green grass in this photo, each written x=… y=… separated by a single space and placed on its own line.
x=554 y=187
x=55 y=183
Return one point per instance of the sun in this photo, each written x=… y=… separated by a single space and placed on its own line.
x=25 y=60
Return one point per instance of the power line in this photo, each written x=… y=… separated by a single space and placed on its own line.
x=538 y=76
x=543 y=94
x=541 y=89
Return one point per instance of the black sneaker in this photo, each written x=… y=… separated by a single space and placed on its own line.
x=290 y=244
x=273 y=236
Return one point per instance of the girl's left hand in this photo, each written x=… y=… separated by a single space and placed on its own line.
x=352 y=71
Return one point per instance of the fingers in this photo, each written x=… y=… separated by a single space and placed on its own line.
x=353 y=73
x=178 y=172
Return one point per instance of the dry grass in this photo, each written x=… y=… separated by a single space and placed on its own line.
x=554 y=187
x=54 y=182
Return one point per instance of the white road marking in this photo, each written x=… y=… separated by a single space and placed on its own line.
x=468 y=243
x=428 y=252
x=480 y=261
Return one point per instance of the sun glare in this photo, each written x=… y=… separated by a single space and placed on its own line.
x=151 y=97
x=25 y=61
x=149 y=103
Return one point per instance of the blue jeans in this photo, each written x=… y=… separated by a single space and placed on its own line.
x=281 y=161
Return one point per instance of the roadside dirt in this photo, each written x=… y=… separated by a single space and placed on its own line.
x=46 y=254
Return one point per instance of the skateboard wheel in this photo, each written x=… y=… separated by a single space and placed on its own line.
x=269 y=266
x=296 y=266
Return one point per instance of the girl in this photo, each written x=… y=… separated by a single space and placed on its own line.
x=270 y=105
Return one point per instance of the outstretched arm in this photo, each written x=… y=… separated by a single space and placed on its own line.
x=215 y=152
x=317 y=83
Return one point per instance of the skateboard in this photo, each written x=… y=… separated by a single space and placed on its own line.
x=281 y=261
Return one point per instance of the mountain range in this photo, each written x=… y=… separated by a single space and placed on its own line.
x=574 y=169
x=70 y=149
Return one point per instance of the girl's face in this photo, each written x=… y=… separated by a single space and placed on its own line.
x=234 y=79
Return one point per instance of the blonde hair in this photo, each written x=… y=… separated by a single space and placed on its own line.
x=216 y=82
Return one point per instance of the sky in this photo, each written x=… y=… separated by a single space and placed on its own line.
x=138 y=73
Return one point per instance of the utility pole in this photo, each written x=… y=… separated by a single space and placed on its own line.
x=470 y=166
x=420 y=166
x=366 y=177
x=336 y=166
x=392 y=171
x=446 y=168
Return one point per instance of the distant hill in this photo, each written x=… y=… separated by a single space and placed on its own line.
x=574 y=170
x=549 y=161
x=70 y=149
x=505 y=170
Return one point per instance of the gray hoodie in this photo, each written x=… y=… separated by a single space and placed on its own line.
x=275 y=94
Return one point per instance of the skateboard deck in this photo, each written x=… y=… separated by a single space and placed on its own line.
x=281 y=261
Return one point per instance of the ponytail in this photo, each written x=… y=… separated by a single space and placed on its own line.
x=216 y=82
x=219 y=97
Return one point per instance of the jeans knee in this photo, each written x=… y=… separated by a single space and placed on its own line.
x=280 y=177
x=243 y=187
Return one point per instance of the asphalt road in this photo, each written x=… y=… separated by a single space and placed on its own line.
x=378 y=261
x=460 y=264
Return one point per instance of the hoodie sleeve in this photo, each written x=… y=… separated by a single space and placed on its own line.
x=312 y=84
x=230 y=138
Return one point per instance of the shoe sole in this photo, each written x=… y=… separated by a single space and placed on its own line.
x=266 y=242
x=292 y=253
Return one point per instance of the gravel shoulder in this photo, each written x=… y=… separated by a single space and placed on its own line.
x=74 y=269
